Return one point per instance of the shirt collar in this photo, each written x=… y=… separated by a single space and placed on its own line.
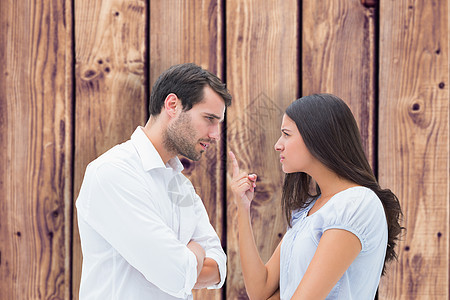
x=149 y=155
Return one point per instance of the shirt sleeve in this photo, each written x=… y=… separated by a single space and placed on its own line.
x=116 y=203
x=358 y=211
x=206 y=236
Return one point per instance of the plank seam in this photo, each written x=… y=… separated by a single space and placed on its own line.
x=224 y=134
x=72 y=141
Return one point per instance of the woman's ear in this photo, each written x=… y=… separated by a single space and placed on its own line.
x=172 y=105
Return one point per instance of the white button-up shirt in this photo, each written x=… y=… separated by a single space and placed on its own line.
x=135 y=217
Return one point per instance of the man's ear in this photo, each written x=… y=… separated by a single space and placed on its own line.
x=172 y=105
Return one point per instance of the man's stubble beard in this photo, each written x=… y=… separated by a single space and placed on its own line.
x=177 y=138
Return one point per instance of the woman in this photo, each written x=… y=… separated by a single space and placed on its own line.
x=342 y=226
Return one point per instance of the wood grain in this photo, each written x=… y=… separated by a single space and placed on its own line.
x=262 y=73
x=40 y=133
x=338 y=57
x=191 y=31
x=35 y=133
x=110 y=39
x=414 y=142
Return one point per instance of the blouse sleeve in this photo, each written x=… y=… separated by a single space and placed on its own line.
x=358 y=211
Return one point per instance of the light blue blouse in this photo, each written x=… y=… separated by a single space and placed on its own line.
x=357 y=210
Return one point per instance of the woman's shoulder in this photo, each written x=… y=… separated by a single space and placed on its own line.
x=358 y=201
x=354 y=205
x=357 y=194
x=358 y=210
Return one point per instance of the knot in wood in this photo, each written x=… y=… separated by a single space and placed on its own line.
x=369 y=3
x=89 y=74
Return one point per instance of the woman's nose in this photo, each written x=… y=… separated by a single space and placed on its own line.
x=278 y=146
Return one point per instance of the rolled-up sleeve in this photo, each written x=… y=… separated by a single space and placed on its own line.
x=207 y=237
x=128 y=221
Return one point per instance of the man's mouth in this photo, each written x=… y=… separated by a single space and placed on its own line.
x=204 y=145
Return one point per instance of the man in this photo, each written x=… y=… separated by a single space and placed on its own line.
x=145 y=233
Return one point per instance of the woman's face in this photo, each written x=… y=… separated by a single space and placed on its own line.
x=294 y=155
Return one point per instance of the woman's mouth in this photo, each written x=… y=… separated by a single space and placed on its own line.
x=281 y=158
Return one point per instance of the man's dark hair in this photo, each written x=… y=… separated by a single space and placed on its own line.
x=187 y=81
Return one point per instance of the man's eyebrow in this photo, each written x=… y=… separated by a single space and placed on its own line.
x=214 y=116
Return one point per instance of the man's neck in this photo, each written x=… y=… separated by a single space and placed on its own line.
x=154 y=132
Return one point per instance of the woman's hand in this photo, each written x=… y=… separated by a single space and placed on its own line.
x=242 y=185
x=261 y=280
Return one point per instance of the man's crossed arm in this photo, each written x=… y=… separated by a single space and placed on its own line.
x=207 y=268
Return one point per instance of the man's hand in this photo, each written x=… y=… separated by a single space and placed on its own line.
x=207 y=268
x=199 y=254
x=209 y=275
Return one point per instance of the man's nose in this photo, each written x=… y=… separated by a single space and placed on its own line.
x=215 y=133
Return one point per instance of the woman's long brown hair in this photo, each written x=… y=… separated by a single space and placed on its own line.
x=331 y=134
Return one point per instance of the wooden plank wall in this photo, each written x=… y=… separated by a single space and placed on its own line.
x=75 y=80
x=36 y=100
x=262 y=73
x=414 y=142
x=338 y=51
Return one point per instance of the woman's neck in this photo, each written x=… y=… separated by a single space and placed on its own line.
x=330 y=183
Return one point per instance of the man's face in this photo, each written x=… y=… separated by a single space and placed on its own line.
x=193 y=131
